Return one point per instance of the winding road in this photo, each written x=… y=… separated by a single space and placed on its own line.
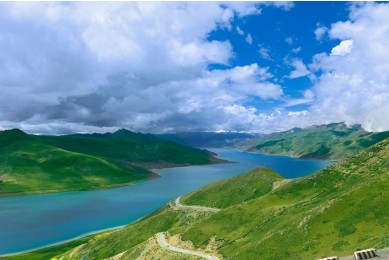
x=199 y=208
x=164 y=244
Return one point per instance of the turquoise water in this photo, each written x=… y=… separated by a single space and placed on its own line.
x=28 y=222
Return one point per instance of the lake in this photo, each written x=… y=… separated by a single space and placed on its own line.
x=33 y=221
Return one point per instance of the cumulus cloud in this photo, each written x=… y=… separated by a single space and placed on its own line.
x=320 y=32
x=300 y=70
x=282 y=4
x=80 y=66
x=296 y=50
x=353 y=81
x=343 y=48
x=240 y=31
x=249 y=39
x=354 y=84
x=308 y=97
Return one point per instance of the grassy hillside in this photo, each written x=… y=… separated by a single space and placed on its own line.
x=132 y=147
x=331 y=212
x=33 y=164
x=250 y=185
x=334 y=141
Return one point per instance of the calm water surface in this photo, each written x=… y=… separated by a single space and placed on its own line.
x=28 y=222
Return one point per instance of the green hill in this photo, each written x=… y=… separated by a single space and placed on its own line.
x=34 y=164
x=333 y=141
x=331 y=212
x=208 y=139
x=250 y=185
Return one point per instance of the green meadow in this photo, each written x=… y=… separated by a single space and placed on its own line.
x=36 y=164
x=334 y=211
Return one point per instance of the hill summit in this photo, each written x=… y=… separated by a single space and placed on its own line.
x=35 y=164
x=332 y=141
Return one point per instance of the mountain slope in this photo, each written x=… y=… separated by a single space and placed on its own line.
x=331 y=212
x=127 y=146
x=245 y=187
x=208 y=139
x=33 y=164
x=334 y=141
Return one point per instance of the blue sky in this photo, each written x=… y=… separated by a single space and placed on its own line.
x=192 y=66
x=284 y=36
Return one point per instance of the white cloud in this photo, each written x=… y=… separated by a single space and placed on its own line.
x=308 y=94
x=296 y=50
x=249 y=39
x=289 y=40
x=277 y=120
x=195 y=53
x=265 y=53
x=320 y=32
x=286 y=5
x=244 y=8
x=343 y=48
x=298 y=113
x=354 y=85
x=81 y=66
x=240 y=31
x=244 y=82
x=300 y=70
x=308 y=97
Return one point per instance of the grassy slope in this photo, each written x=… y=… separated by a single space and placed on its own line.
x=250 y=185
x=332 y=212
x=131 y=238
x=33 y=164
x=52 y=251
x=334 y=141
x=132 y=147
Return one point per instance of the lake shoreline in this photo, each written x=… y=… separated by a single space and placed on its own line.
x=130 y=202
x=66 y=241
x=151 y=168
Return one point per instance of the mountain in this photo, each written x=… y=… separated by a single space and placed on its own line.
x=334 y=211
x=333 y=141
x=34 y=164
x=208 y=139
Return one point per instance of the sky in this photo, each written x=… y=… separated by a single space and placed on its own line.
x=159 y=67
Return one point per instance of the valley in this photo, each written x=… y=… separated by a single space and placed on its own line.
x=331 y=212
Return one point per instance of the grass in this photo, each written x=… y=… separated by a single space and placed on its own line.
x=36 y=164
x=334 y=211
x=334 y=141
x=245 y=187
x=52 y=251
x=130 y=237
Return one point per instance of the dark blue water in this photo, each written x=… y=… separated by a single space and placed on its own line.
x=28 y=222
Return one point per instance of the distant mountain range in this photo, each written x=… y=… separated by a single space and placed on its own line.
x=209 y=139
x=334 y=211
x=34 y=164
x=333 y=141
